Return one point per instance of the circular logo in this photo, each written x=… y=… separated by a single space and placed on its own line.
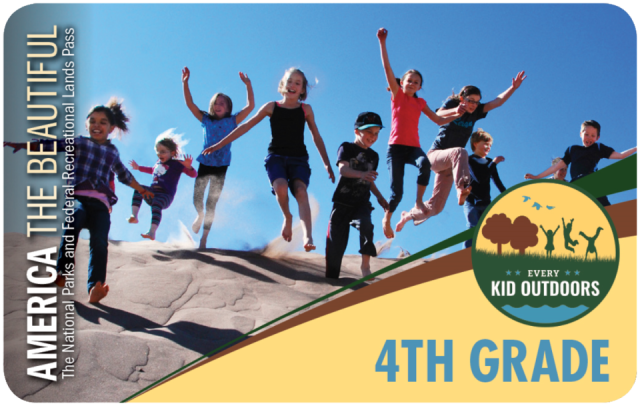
x=545 y=253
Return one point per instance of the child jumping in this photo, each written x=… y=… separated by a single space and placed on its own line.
x=351 y=206
x=216 y=124
x=448 y=156
x=287 y=162
x=166 y=174
x=404 y=141
x=584 y=158
x=482 y=170
x=95 y=159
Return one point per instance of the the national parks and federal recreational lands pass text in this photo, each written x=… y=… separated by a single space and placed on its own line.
x=50 y=61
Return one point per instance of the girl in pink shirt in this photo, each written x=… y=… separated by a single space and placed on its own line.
x=404 y=142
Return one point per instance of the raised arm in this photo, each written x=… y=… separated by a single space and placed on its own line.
x=557 y=228
x=251 y=104
x=187 y=94
x=242 y=129
x=504 y=96
x=391 y=78
x=448 y=115
x=552 y=169
x=188 y=169
x=622 y=155
x=317 y=139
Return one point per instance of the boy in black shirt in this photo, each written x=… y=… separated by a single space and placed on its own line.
x=351 y=206
x=584 y=158
x=482 y=169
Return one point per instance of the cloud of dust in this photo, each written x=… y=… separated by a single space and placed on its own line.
x=183 y=239
x=279 y=248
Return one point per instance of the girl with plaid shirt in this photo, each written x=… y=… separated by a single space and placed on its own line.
x=96 y=159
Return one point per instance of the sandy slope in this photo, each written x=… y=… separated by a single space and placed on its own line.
x=168 y=306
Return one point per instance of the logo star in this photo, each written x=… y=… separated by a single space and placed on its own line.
x=517 y=272
x=577 y=272
x=568 y=273
x=508 y=272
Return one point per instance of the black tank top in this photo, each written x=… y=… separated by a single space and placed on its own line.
x=287 y=132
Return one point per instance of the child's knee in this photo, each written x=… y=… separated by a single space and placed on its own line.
x=280 y=187
x=300 y=190
x=460 y=154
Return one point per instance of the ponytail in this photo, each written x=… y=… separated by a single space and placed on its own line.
x=115 y=114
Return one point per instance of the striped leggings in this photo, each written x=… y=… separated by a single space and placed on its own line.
x=159 y=202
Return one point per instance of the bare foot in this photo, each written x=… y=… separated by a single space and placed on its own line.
x=287 y=233
x=149 y=235
x=60 y=280
x=462 y=195
x=98 y=292
x=421 y=207
x=365 y=272
x=197 y=223
x=386 y=226
x=133 y=219
x=309 y=246
x=404 y=218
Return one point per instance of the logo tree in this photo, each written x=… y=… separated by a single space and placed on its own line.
x=497 y=229
x=524 y=234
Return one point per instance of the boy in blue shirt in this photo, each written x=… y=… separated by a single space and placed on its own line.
x=584 y=158
x=482 y=169
x=351 y=206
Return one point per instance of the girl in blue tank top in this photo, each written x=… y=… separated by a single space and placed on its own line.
x=287 y=162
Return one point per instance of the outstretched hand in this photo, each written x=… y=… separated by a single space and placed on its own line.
x=382 y=34
x=185 y=74
x=529 y=176
x=515 y=83
x=245 y=79
x=498 y=159
x=134 y=165
x=188 y=160
x=16 y=146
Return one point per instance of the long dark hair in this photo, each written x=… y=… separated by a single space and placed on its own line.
x=115 y=114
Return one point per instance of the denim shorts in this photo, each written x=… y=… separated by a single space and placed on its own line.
x=289 y=168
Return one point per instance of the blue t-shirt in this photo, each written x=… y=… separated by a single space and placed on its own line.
x=457 y=133
x=584 y=160
x=214 y=131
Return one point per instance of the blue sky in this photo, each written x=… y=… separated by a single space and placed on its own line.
x=580 y=61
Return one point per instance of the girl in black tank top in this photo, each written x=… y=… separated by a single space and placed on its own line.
x=287 y=162
x=287 y=131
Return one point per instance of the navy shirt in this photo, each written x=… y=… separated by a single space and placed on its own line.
x=584 y=160
x=482 y=170
x=353 y=191
x=457 y=133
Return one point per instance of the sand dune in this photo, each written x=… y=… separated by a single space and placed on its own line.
x=168 y=306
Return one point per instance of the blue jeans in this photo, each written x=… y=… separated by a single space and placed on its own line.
x=397 y=157
x=473 y=214
x=93 y=215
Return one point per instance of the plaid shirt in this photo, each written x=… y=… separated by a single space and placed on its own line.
x=94 y=165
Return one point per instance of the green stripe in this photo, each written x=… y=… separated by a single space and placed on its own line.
x=615 y=178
